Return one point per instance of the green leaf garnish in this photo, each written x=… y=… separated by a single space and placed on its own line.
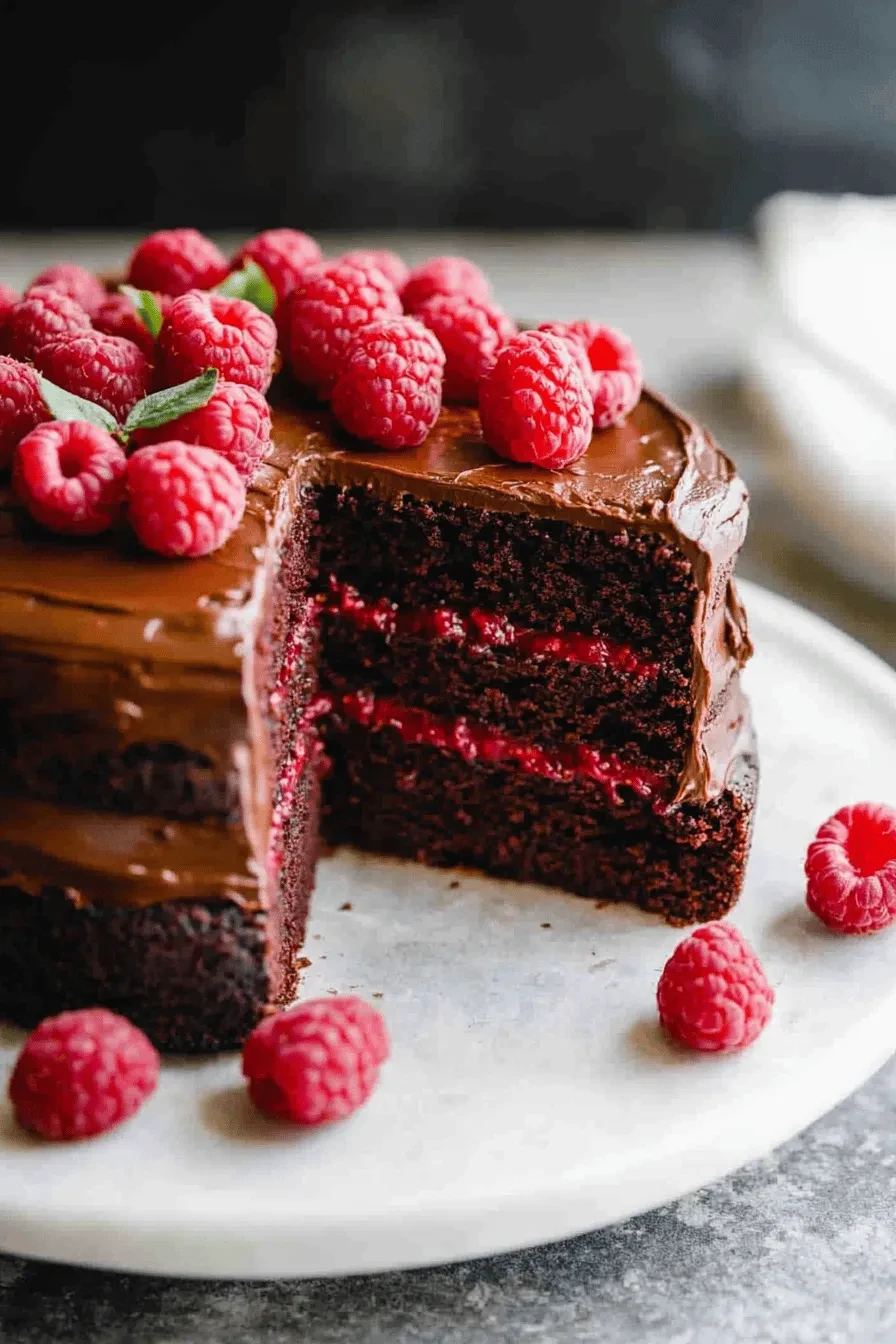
x=64 y=405
x=172 y=402
x=251 y=284
x=146 y=308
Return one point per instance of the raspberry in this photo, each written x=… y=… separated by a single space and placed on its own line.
x=444 y=275
x=617 y=374
x=324 y=312
x=236 y=422
x=75 y=282
x=8 y=299
x=851 y=869
x=316 y=1062
x=117 y=317
x=390 y=388
x=210 y=331
x=471 y=333
x=534 y=405
x=21 y=405
x=577 y=348
x=713 y=994
x=381 y=259
x=107 y=370
x=183 y=499
x=70 y=476
x=40 y=316
x=283 y=254
x=175 y=260
x=81 y=1073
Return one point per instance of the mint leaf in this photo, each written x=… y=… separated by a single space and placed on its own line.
x=64 y=405
x=251 y=284
x=172 y=402
x=146 y=308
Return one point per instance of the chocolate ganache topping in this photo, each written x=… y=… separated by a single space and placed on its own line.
x=145 y=648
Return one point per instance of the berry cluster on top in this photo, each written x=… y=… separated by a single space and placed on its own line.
x=146 y=401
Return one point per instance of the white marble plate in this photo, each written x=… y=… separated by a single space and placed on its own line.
x=530 y=1095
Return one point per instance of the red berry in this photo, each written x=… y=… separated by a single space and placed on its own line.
x=236 y=422
x=75 y=282
x=534 y=405
x=390 y=388
x=107 y=370
x=210 y=331
x=316 y=1062
x=617 y=374
x=381 y=259
x=283 y=254
x=118 y=317
x=851 y=869
x=81 y=1073
x=322 y=315
x=713 y=994
x=183 y=499
x=444 y=275
x=70 y=476
x=40 y=316
x=21 y=405
x=175 y=260
x=8 y=299
x=471 y=333
x=577 y=348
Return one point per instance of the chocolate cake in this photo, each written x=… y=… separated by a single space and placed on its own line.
x=432 y=653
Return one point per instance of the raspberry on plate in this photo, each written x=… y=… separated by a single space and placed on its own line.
x=40 y=316
x=851 y=869
x=283 y=254
x=471 y=332
x=617 y=377
x=321 y=316
x=211 y=331
x=75 y=282
x=82 y=1073
x=118 y=317
x=173 y=261
x=108 y=370
x=183 y=499
x=316 y=1062
x=8 y=299
x=713 y=994
x=21 y=405
x=70 y=475
x=390 y=387
x=533 y=403
x=444 y=275
x=381 y=259
x=235 y=421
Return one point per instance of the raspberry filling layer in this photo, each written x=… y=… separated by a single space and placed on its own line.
x=479 y=630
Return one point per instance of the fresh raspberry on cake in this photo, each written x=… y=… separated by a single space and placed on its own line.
x=70 y=475
x=471 y=332
x=390 y=388
x=236 y=422
x=316 y=1062
x=851 y=869
x=173 y=261
x=21 y=405
x=283 y=254
x=444 y=275
x=118 y=317
x=40 y=316
x=183 y=499
x=8 y=299
x=82 y=1073
x=618 y=378
x=322 y=315
x=713 y=994
x=381 y=259
x=108 y=370
x=211 y=331
x=74 y=281
x=533 y=403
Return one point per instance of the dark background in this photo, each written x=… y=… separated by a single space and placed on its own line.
x=618 y=113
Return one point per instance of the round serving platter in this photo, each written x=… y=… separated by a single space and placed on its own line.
x=530 y=1094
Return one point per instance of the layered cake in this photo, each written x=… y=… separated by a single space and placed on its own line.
x=435 y=653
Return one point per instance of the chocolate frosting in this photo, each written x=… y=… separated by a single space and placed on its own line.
x=164 y=650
